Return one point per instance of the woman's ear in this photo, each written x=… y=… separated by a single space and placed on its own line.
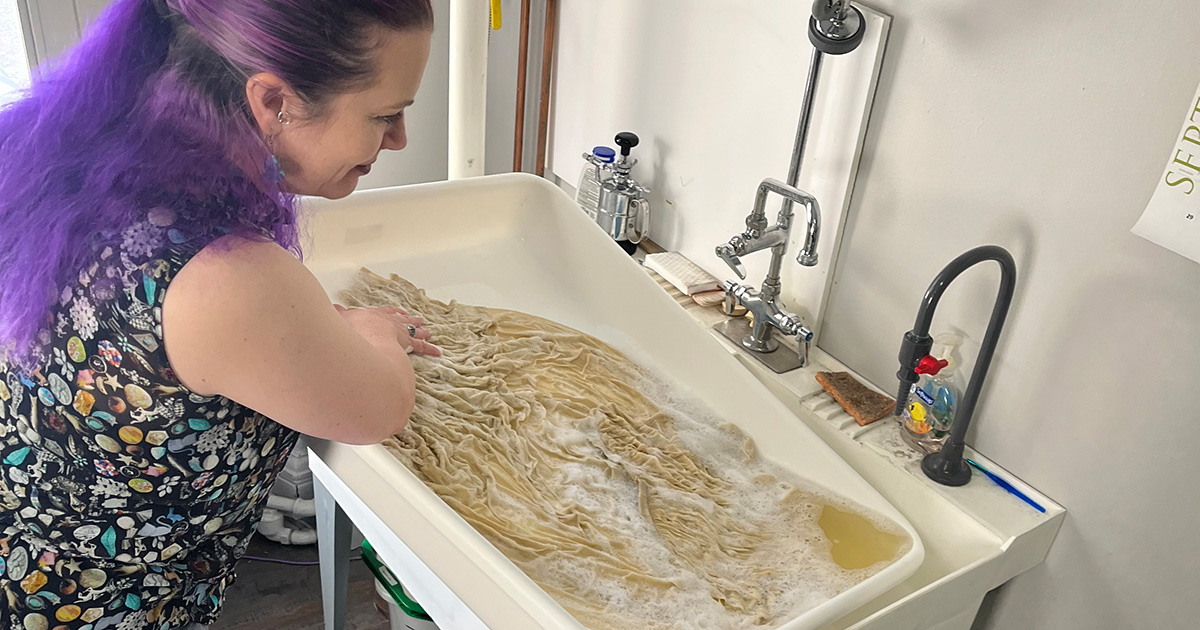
x=268 y=95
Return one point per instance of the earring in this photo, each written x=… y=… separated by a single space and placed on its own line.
x=272 y=170
x=281 y=119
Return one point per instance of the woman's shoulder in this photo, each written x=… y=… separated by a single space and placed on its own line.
x=239 y=251
x=232 y=302
x=238 y=268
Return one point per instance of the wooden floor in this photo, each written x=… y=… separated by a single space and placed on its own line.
x=284 y=597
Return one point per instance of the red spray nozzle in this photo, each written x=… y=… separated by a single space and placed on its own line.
x=930 y=365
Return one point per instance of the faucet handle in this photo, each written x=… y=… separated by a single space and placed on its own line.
x=793 y=324
x=804 y=336
x=626 y=140
x=730 y=303
x=725 y=253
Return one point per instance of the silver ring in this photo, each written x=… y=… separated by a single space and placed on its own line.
x=412 y=331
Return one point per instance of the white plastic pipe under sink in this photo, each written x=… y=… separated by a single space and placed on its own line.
x=467 y=104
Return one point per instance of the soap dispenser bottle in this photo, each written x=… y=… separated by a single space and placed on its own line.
x=932 y=401
x=597 y=170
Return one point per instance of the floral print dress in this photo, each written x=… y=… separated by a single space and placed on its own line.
x=125 y=499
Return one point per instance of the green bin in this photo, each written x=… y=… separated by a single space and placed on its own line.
x=405 y=613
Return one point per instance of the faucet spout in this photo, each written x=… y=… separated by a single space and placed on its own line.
x=947 y=466
x=758 y=236
x=812 y=216
x=812 y=234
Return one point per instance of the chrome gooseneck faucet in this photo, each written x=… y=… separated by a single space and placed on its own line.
x=947 y=466
x=835 y=28
x=762 y=304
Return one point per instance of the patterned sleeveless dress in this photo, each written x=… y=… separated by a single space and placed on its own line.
x=125 y=499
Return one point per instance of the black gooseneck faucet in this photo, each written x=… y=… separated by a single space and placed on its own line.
x=947 y=466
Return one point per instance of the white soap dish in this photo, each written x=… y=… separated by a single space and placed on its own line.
x=682 y=273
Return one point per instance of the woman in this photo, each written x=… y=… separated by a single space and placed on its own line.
x=162 y=344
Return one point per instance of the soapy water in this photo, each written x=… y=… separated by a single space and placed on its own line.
x=798 y=555
x=613 y=487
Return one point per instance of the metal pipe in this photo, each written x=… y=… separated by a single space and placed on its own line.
x=547 y=66
x=522 y=79
x=832 y=10
x=933 y=295
x=758 y=235
x=469 y=24
x=806 y=109
x=841 y=9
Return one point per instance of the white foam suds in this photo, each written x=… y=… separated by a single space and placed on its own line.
x=794 y=566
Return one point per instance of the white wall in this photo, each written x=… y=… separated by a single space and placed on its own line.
x=1043 y=127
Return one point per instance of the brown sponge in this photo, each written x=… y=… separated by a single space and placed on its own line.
x=860 y=401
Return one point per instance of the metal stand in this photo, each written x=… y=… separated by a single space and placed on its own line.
x=333 y=541
x=782 y=359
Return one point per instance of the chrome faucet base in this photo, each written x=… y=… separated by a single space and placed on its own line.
x=782 y=359
x=750 y=342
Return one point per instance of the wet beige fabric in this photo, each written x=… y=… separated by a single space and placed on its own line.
x=511 y=413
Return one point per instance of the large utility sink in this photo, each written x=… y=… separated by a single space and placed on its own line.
x=516 y=241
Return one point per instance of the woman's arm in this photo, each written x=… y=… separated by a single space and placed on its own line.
x=246 y=320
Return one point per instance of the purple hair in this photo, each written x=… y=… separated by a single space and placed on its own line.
x=149 y=110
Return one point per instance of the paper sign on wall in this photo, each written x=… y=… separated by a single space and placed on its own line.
x=1172 y=219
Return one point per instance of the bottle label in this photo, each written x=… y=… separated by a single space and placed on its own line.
x=916 y=420
x=917 y=416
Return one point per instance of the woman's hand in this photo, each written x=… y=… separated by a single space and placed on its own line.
x=387 y=327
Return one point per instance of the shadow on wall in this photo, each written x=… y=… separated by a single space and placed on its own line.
x=667 y=221
x=1089 y=443
x=1070 y=543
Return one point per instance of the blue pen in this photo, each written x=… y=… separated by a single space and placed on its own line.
x=1007 y=486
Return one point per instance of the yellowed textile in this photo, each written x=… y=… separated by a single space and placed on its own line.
x=548 y=442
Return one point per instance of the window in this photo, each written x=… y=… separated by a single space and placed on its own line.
x=14 y=65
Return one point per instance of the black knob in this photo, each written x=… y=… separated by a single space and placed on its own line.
x=626 y=140
x=837 y=45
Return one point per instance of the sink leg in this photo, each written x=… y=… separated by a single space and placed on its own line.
x=333 y=540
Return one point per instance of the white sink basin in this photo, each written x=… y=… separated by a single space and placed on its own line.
x=516 y=241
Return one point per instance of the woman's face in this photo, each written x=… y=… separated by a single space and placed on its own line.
x=325 y=157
